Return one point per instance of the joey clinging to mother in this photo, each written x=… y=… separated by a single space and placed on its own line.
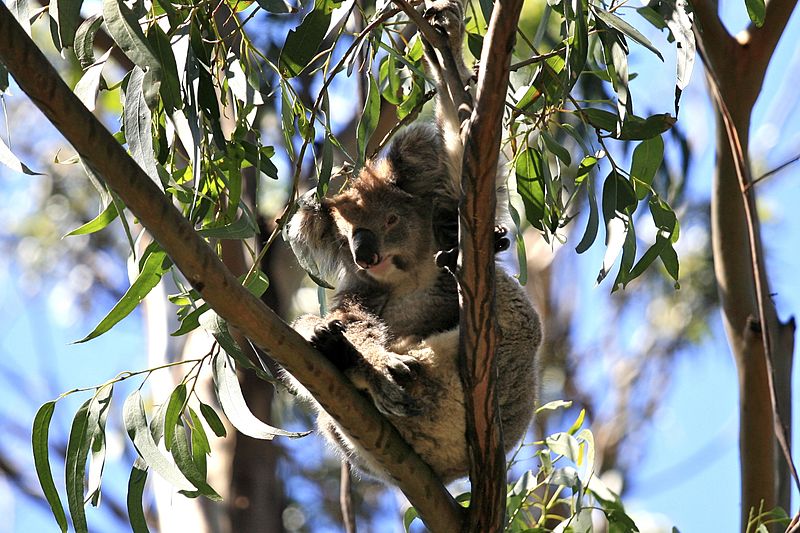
x=392 y=328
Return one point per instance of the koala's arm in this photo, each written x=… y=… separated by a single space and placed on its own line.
x=312 y=234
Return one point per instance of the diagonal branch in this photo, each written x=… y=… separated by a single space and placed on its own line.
x=203 y=269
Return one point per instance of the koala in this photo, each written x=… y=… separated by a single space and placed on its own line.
x=388 y=241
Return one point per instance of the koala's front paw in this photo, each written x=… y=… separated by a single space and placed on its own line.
x=329 y=339
x=402 y=368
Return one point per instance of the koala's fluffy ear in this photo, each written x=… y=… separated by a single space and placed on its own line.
x=417 y=161
x=311 y=232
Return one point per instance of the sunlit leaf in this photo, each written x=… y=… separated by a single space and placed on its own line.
x=647 y=158
x=139 y=433
x=229 y=394
x=10 y=160
x=124 y=28
x=41 y=460
x=564 y=444
x=101 y=402
x=633 y=128
x=681 y=23
x=88 y=86
x=303 y=42
x=620 y=24
x=530 y=185
x=592 y=224
x=138 y=126
x=756 y=10
x=154 y=267
x=241 y=228
x=67 y=15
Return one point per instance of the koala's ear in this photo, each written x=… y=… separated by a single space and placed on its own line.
x=416 y=159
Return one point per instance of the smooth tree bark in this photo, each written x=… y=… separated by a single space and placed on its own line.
x=761 y=344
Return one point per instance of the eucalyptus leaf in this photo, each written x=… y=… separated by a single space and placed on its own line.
x=136 y=483
x=229 y=394
x=102 y=402
x=756 y=10
x=172 y=415
x=10 y=160
x=182 y=454
x=213 y=420
x=530 y=185
x=106 y=217
x=139 y=433
x=138 y=126
x=84 y=40
x=369 y=120
x=154 y=267
x=41 y=460
x=75 y=466
x=88 y=86
x=647 y=158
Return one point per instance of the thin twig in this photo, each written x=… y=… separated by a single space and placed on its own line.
x=773 y=171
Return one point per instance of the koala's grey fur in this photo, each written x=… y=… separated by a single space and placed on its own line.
x=393 y=326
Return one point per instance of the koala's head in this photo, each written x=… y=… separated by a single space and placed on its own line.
x=389 y=230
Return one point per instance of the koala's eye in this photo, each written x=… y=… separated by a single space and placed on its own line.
x=391 y=220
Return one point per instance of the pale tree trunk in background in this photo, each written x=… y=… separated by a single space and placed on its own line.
x=737 y=66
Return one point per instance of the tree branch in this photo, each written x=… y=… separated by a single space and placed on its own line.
x=765 y=38
x=476 y=272
x=203 y=269
x=711 y=33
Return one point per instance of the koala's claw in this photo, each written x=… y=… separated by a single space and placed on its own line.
x=392 y=399
x=501 y=242
x=329 y=339
x=402 y=368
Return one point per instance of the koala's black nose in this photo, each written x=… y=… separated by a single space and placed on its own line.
x=365 y=248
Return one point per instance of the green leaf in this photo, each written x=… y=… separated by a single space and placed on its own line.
x=409 y=516
x=229 y=394
x=756 y=10
x=185 y=461
x=84 y=40
x=123 y=26
x=276 y=6
x=169 y=89
x=75 y=466
x=369 y=120
x=522 y=257
x=260 y=158
x=633 y=128
x=215 y=325
x=213 y=420
x=590 y=234
x=241 y=228
x=199 y=437
x=564 y=444
x=177 y=401
x=647 y=259
x=41 y=460
x=578 y=52
x=102 y=220
x=257 y=284
x=621 y=25
x=156 y=264
x=191 y=321
x=302 y=43
x=530 y=185
x=554 y=405
x=101 y=403
x=139 y=433
x=647 y=158
x=628 y=257
x=136 y=484
x=670 y=259
x=325 y=168
x=619 y=200
x=88 y=86
x=557 y=149
x=67 y=14
x=138 y=125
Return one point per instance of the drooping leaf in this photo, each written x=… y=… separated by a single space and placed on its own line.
x=124 y=28
x=84 y=40
x=756 y=10
x=590 y=234
x=680 y=24
x=10 y=160
x=138 y=125
x=647 y=157
x=557 y=149
x=169 y=88
x=276 y=6
x=101 y=402
x=530 y=185
x=21 y=11
x=620 y=24
x=564 y=444
x=177 y=401
x=303 y=42
x=41 y=460
x=257 y=283
x=99 y=222
x=369 y=120
x=199 y=437
x=67 y=14
x=215 y=325
x=139 y=433
x=242 y=228
x=154 y=267
x=75 y=466
x=136 y=484
x=182 y=454
x=88 y=86
x=229 y=394
x=213 y=420
x=633 y=128
x=628 y=257
x=522 y=257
